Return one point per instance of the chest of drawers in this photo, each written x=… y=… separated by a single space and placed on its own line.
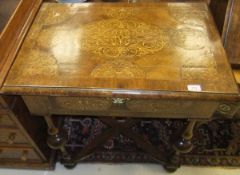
x=227 y=14
x=21 y=137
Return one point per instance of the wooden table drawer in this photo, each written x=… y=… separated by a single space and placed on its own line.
x=12 y=136
x=126 y=106
x=81 y=104
x=19 y=154
x=182 y=108
x=6 y=121
x=121 y=107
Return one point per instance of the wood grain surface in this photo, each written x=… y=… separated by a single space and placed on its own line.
x=118 y=47
x=14 y=31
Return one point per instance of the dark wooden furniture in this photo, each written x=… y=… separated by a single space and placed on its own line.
x=227 y=16
x=231 y=35
x=6 y=10
x=22 y=137
x=113 y=60
x=219 y=9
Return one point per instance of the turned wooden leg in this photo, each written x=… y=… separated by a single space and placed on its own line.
x=56 y=140
x=173 y=163
x=184 y=144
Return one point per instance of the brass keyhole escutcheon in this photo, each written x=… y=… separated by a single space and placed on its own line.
x=119 y=101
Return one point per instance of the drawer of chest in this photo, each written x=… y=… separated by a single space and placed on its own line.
x=11 y=136
x=19 y=154
x=121 y=107
x=7 y=101
x=2 y=104
x=6 y=121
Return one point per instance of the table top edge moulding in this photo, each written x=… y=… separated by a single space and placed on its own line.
x=14 y=32
x=114 y=93
x=69 y=49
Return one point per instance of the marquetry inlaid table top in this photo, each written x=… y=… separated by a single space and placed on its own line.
x=119 y=48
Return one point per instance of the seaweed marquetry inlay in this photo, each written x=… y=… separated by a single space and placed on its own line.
x=122 y=38
x=118 y=69
x=82 y=104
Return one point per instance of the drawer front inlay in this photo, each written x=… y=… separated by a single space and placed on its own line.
x=120 y=106
x=174 y=107
x=81 y=104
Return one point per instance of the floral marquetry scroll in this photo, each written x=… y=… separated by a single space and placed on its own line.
x=82 y=104
x=119 y=69
x=170 y=107
x=121 y=13
x=122 y=38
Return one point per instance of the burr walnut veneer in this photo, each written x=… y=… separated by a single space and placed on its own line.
x=124 y=60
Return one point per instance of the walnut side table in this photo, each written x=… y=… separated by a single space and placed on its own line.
x=113 y=60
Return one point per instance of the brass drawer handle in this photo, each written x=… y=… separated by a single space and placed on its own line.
x=119 y=101
x=11 y=138
x=24 y=155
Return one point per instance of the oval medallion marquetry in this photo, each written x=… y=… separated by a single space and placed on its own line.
x=122 y=38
